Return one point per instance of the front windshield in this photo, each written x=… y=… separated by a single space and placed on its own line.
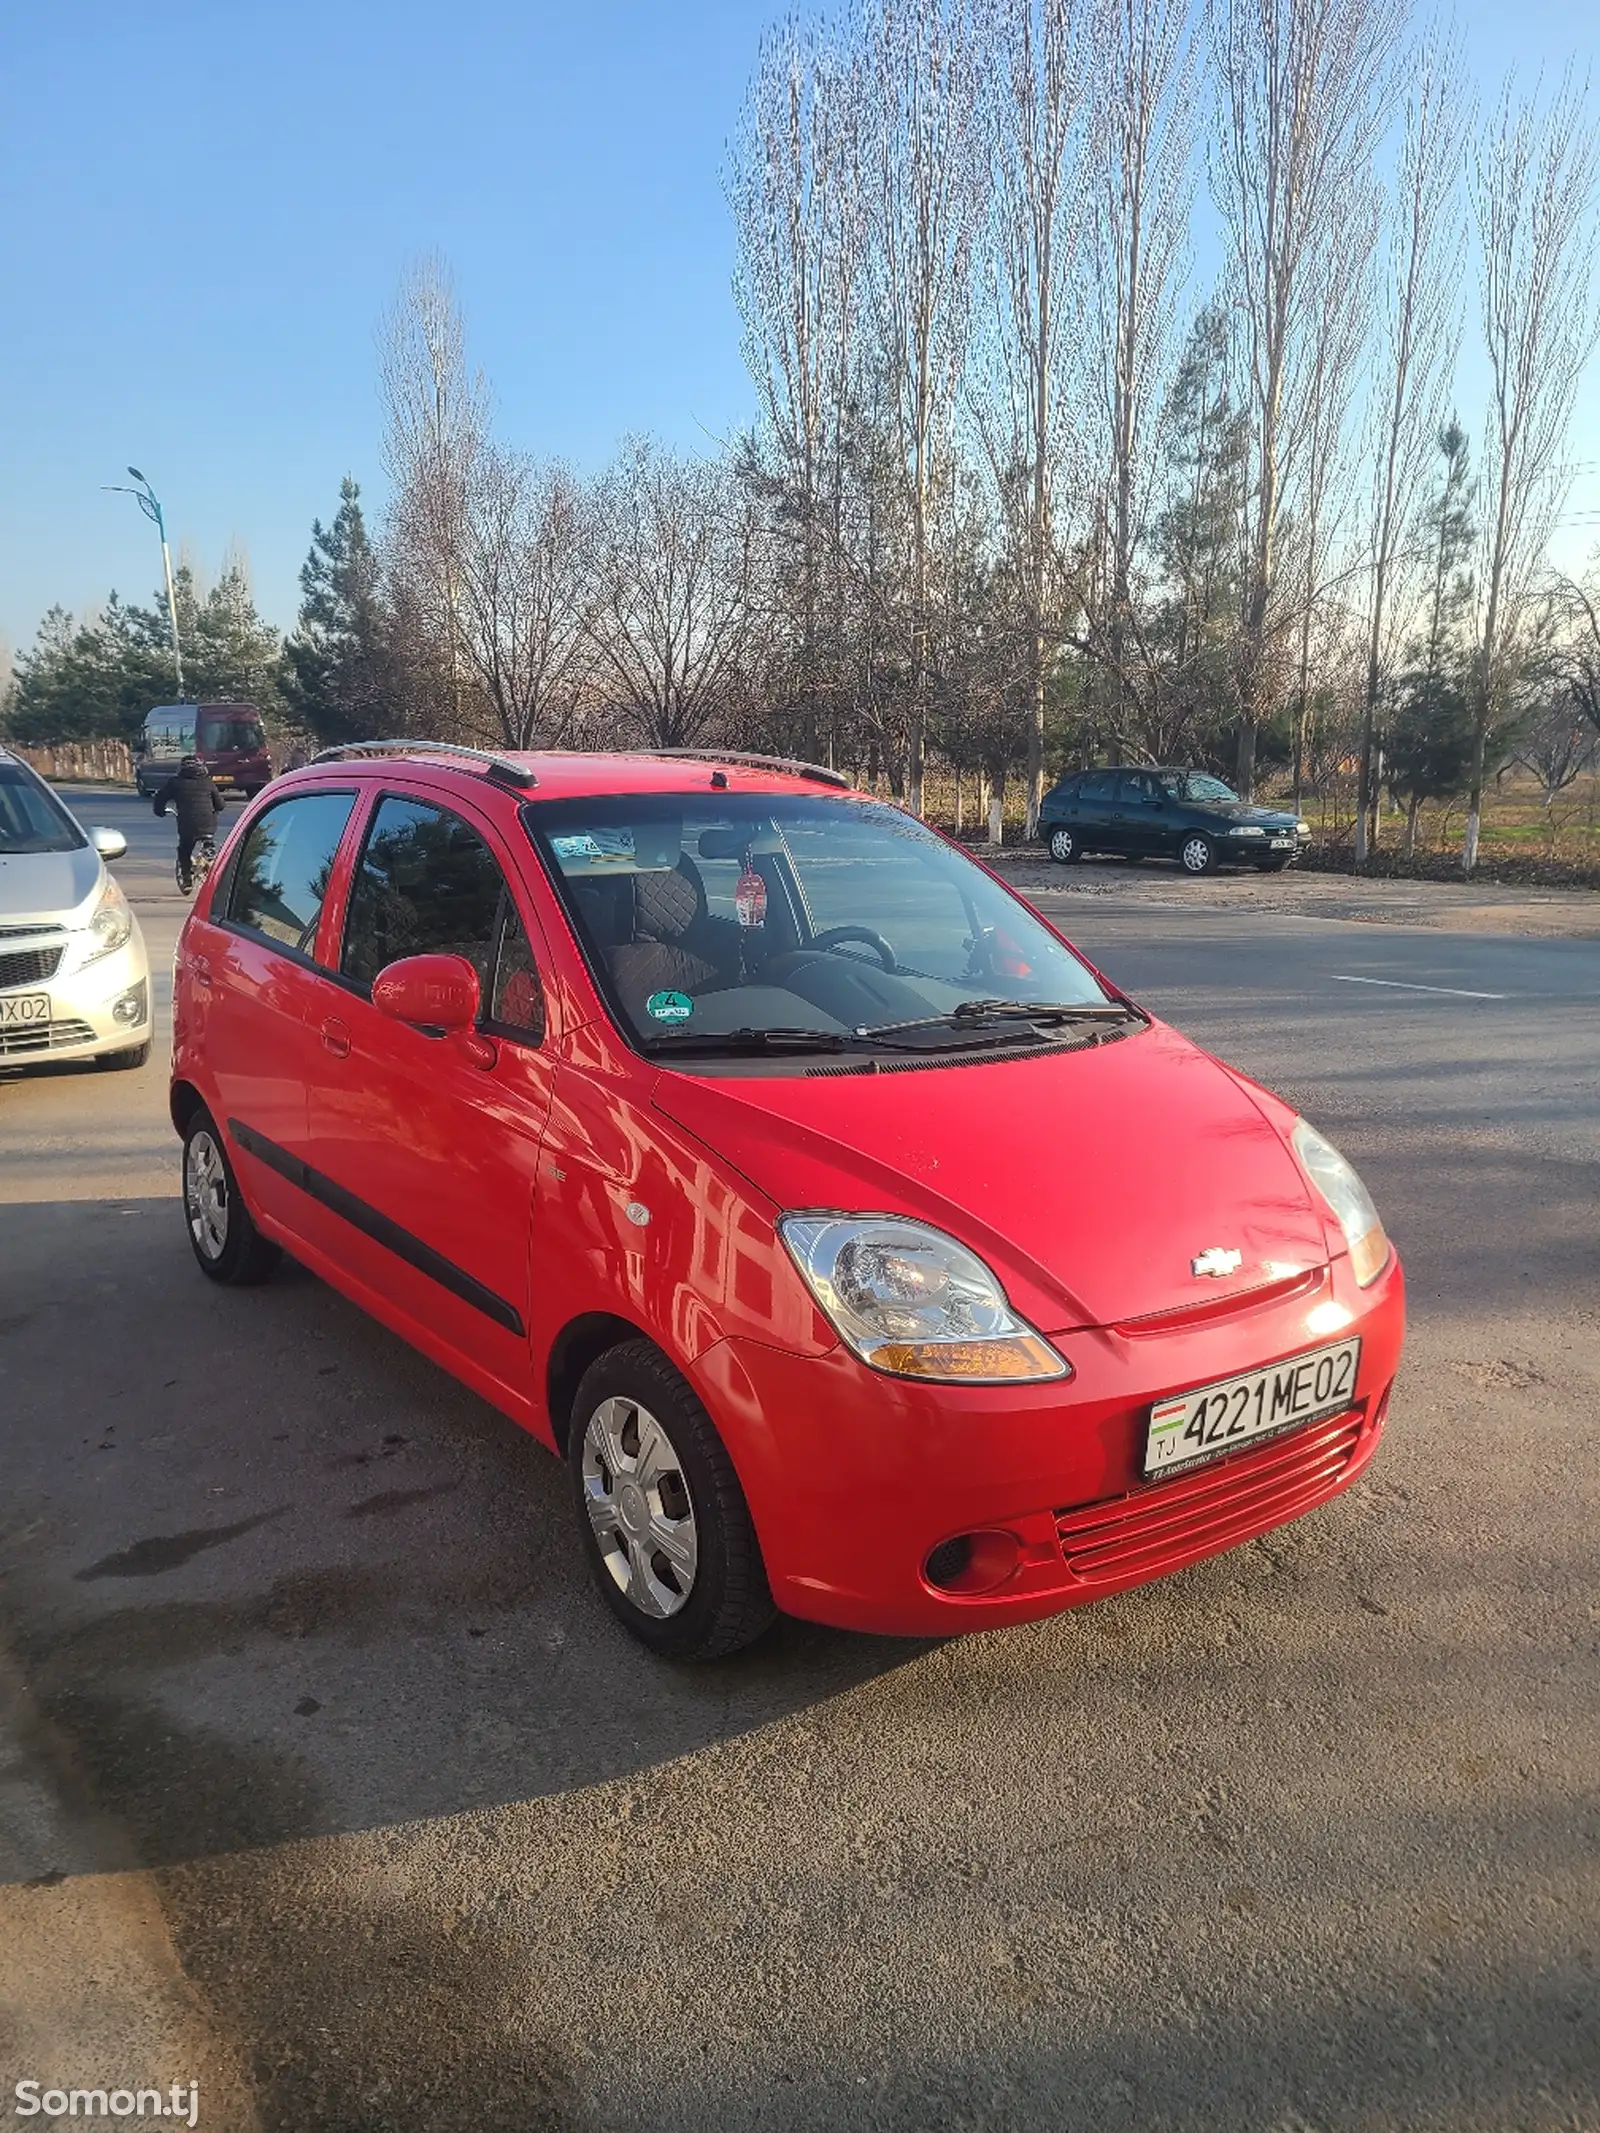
x=1198 y=785
x=31 y=820
x=718 y=913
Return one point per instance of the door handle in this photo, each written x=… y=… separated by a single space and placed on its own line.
x=336 y=1037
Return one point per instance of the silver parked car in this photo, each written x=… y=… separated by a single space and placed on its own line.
x=74 y=977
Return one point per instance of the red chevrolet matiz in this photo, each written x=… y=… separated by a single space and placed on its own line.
x=863 y=1251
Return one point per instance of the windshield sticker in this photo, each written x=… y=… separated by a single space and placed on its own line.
x=575 y=847
x=669 y=1007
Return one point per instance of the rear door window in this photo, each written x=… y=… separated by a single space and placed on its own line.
x=281 y=875
x=233 y=731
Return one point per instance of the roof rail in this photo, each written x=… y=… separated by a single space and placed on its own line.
x=818 y=772
x=499 y=767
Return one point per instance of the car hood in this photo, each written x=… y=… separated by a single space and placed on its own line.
x=1244 y=811
x=46 y=885
x=1089 y=1180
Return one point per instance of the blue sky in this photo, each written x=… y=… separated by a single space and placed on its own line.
x=205 y=209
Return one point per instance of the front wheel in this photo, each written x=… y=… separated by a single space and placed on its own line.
x=1271 y=866
x=1197 y=854
x=132 y=1055
x=1064 y=846
x=665 y=1523
x=226 y=1243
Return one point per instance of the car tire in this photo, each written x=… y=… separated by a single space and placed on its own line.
x=222 y=1235
x=1197 y=854
x=1271 y=866
x=710 y=1595
x=1063 y=845
x=133 y=1055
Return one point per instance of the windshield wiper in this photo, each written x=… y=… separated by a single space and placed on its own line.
x=973 y=1012
x=898 y=1037
x=751 y=1040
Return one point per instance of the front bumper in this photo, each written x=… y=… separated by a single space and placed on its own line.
x=84 y=1021
x=854 y=1478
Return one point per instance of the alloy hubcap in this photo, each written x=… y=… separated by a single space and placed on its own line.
x=639 y=1507
x=205 y=1195
x=1061 y=845
x=1195 y=856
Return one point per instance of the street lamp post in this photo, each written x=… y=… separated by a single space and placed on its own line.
x=147 y=501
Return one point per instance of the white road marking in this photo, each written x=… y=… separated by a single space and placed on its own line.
x=1456 y=992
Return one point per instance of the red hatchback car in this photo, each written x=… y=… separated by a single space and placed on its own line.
x=865 y=1253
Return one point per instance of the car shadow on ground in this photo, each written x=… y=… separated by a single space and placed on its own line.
x=273 y=1575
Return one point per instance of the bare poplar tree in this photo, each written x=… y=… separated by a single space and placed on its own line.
x=1422 y=324
x=1305 y=88
x=676 y=563
x=1339 y=310
x=1532 y=181
x=1038 y=123
x=487 y=549
x=922 y=184
x=795 y=188
x=1145 y=91
x=436 y=439
x=525 y=596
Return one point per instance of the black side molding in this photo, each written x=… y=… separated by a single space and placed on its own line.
x=378 y=1226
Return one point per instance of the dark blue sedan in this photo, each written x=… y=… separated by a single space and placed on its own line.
x=1186 y=815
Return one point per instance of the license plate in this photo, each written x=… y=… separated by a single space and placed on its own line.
x=24 y=1010
x=1198 y=1425
x=1280 y=844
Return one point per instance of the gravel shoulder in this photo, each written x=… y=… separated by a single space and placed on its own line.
x=1452 y=907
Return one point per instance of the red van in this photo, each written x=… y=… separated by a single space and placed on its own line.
x=864 y=1251
x=228 y=738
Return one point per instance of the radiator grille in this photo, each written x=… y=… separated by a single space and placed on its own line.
x=44 y=1037
x=28 y=966
x=1124 y=1536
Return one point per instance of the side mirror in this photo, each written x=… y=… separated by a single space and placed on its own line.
x=110 y=844
x=437 y=991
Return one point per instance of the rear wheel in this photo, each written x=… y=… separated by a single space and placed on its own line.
x=665 y=1523
x=1197 y=854
x=225 y=1240
x=1064 y=846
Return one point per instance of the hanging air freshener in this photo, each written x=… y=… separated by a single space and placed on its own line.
x=750 y=897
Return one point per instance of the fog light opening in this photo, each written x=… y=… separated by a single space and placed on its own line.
x=133 y=1007
x=973 y=1562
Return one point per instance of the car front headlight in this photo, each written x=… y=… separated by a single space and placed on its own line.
x=911 y=1301
x=1349 y=1199
x=1302 y=829
x=110 y=927
x=1247 y=829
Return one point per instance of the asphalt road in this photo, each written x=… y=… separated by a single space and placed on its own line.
x=307 y=1677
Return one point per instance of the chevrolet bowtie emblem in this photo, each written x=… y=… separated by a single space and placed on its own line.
x=1217 y=1260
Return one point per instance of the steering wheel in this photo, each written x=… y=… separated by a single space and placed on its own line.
x=835 y=935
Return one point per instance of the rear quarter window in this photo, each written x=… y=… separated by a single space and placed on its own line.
x=280 y=878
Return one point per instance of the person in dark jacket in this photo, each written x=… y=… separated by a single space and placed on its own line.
x=197 y=803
